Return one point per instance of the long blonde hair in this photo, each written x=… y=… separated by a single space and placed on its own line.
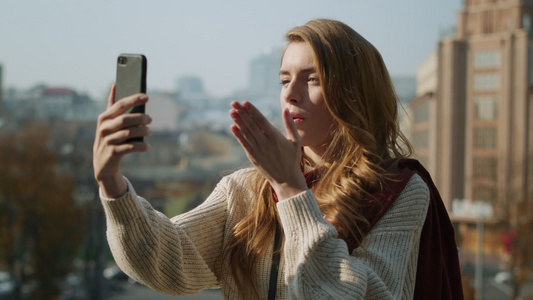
x=359 y=95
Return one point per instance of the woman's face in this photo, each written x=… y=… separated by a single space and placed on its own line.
x=301 y=93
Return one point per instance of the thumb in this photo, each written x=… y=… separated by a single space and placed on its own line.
x=290 y=127
x=111 y=97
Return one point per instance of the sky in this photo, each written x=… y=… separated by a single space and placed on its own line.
x=74 y=44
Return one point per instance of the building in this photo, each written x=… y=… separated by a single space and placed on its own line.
x=56 y=102
x=470 y=118
x=263 y=77
x=1 y=92
x=190 y=85
x=46 y=103
x=264 y=73
x=191 y=91
x=405 y=87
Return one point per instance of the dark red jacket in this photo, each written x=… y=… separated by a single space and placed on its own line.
x=438 y=273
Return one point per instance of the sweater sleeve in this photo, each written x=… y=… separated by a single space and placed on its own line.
x=318 y=265
x=174 y=256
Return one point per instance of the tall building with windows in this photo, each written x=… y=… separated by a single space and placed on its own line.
x=470 y=122
x=264 y=74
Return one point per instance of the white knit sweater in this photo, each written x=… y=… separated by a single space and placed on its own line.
x=181 y=255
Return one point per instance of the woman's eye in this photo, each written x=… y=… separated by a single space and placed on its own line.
x=284 y=81
x=313 y=79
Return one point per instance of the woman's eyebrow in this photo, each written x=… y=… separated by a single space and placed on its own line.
x=306 y=70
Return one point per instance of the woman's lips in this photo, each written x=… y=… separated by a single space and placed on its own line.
x=296 y=118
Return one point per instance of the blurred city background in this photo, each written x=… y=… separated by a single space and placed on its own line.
x=467 y=106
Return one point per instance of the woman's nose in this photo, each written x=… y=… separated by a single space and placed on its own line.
x=291 y=93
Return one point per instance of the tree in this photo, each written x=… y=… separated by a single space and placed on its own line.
x=520 y=241
x=40 y=226
x=518 y=236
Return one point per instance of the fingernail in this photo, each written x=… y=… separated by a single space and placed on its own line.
x=143 y=98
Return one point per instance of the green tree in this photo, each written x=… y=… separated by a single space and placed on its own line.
x=40 y=226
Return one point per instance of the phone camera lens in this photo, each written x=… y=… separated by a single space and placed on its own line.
x=122 y=60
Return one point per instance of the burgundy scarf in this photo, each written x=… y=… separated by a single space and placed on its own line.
x=438 y=273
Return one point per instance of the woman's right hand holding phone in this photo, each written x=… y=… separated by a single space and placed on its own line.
x=113 y=128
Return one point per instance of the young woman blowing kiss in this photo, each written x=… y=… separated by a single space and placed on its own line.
x=330 y=210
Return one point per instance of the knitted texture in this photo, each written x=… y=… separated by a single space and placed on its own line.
x=181 y=255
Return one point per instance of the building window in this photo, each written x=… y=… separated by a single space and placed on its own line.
x=421 y=139
x=526 y=21
x=421 y=113
x=487 y=59
x=486 y=107
x=488 y=22
x=530 y=63
x=485 y=168
x=485 y=138
x=486 y=193
x=487 y=82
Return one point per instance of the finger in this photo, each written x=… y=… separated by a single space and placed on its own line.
x=258 y=126
x=245 y=116
x=111 y=97
x=126 y=148
x=125 y=104
x=241 y=139
x=121 y=136
x=124 y=121
x=260 y=120
x=243 y=123
x=290 y=127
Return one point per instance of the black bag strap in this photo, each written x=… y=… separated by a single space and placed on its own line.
x=274 y=269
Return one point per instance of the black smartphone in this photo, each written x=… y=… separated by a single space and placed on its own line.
x=131 y=79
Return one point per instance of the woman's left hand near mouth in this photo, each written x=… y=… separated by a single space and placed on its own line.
x=275 y=156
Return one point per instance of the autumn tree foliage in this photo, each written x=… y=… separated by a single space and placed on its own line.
x=41 y=228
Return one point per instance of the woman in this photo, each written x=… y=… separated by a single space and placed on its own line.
x=331 y=210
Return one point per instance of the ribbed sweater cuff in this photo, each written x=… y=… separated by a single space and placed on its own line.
x=123 y=209
x=300 y=215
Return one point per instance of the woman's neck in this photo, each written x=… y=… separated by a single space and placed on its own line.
x=315 y=157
